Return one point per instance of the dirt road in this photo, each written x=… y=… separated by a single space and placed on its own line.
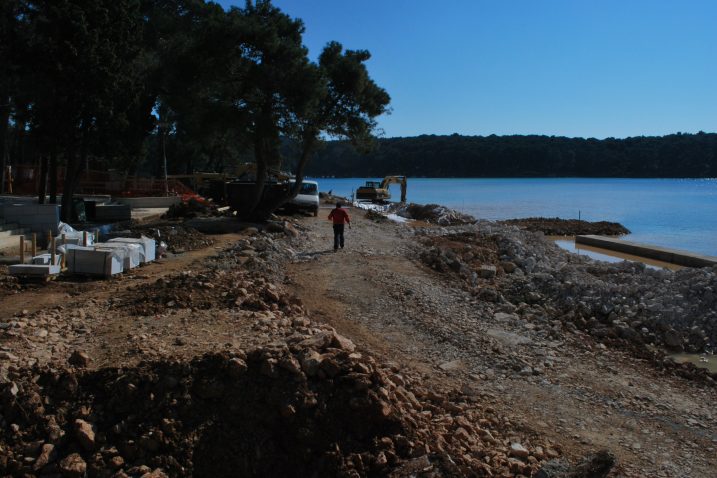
x=562 y=385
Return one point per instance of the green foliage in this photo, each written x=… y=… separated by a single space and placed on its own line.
x=137 y=84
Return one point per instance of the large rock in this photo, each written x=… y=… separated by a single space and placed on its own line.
x=673 y=339
x=85 y=434
x=487 y=271
x=73 y=466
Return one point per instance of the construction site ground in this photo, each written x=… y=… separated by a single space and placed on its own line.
x=376 y=293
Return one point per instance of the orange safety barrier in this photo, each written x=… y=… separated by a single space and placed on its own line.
x=25 y=180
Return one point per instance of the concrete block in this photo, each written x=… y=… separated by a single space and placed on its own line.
x=148 y=245
x=150 y=202
x=113 y=212
x=46 y=259
x=35 y=270
x=130 y=253
x=84 y=260
x=36 y=217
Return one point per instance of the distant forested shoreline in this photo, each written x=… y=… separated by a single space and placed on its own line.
x=677 y=155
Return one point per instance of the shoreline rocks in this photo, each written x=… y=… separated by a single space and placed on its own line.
x=568 y=227
x=623 y=303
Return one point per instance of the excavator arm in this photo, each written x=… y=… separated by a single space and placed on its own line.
x=396 y=180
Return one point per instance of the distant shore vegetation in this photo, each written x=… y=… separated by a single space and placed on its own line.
x=675 y=156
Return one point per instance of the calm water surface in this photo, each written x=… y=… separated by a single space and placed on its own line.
x=679 y=213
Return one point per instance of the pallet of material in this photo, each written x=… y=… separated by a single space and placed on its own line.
x=149 y=246
x=94 y=262
x=130 y=253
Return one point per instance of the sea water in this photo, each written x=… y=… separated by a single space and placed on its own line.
x=677 y=213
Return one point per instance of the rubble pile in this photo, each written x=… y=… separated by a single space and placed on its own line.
x=568 y=227
x=178 y=238
x=433 y=213
x=622 y=304
x=190 y=208
x=375 y=216
x=469 y=255
x=207 y=290
x=311 y=405
x=8 y=284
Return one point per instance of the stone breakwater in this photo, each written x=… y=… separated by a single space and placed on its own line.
x=625 y=302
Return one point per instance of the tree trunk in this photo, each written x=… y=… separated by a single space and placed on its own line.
x=4 y=122
x=53 y=176
x=72 y=175
x=68 y=187
x=266 y=154
x=42 y=185
x=307 y=148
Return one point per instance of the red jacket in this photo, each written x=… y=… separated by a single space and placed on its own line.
x=339 y=216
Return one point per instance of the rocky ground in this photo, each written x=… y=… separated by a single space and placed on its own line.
x=472 y=350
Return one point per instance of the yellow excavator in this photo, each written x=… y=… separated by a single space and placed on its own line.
x=376 y=191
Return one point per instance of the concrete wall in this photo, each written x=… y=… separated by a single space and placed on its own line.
x=673 y=256
x=34 y=217
x=149 y=202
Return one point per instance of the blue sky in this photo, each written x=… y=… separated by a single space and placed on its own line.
x=556 y=67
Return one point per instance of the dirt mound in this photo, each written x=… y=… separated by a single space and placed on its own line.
x=193 y=207
x=568 y=227
x=434 y=214
x=179 y=238
x=469 y=255
x=206 y=290
x=309 y=407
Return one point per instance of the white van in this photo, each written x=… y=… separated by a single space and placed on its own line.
x=308 y=197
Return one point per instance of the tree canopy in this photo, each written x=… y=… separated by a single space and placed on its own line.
x=677 y=155
x=158 y=86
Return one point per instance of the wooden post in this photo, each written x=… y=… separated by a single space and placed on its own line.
x=52 y=251
x=49 y=238
x=97 y=235
x=34 y=244
x=84 y=238
x=64 y=240
x=22 y=249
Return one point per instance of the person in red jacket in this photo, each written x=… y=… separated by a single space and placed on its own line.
x=339 y=217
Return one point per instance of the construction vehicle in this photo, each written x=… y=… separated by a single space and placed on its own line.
x=376 y=191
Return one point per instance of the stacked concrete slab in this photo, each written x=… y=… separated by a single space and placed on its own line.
x=149 y=246
x=41 y=267
x=105 y=259
x=130 y=253
x=34 y=270
x=93 y=262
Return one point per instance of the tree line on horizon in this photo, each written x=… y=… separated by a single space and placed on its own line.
x=150 y=87
x=676 y=155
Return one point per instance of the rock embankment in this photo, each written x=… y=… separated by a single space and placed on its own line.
x=568 y=227
x=618 y=304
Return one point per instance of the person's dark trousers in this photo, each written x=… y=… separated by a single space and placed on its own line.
x=338 y=236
